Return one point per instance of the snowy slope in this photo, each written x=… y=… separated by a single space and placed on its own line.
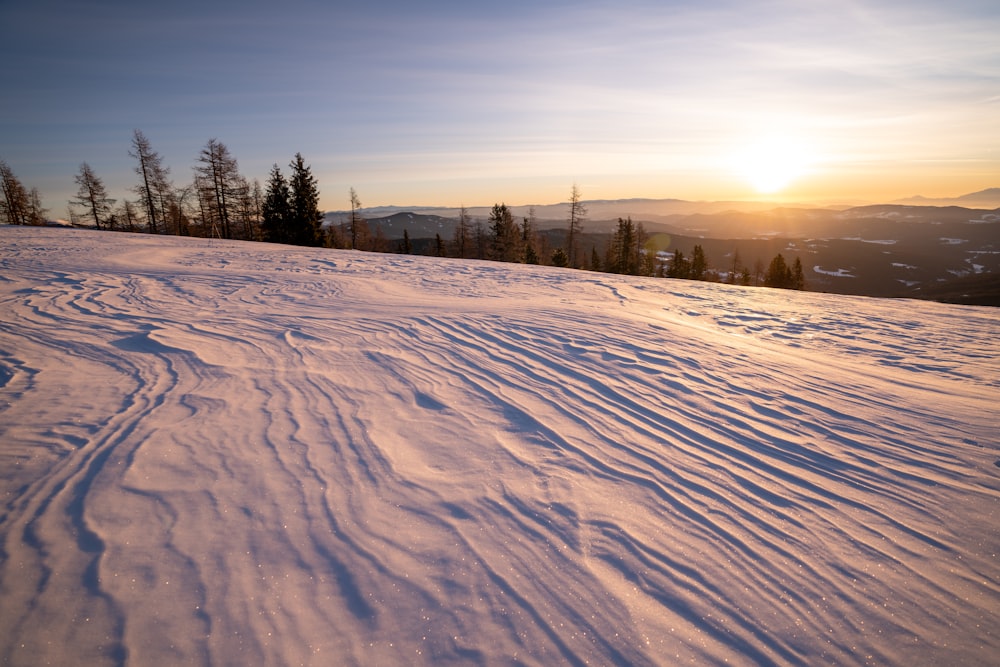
x=230 y=453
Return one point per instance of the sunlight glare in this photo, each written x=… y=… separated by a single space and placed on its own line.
x=771 y=164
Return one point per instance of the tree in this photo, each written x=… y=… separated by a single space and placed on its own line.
x=645 y=256
x=438 y=246
x=559 y=258
x=577 y=216
x=307 y=219
x=503 y=234
x=758 y=272
x=356 y=219
x=218 y=182
x=479 y=236
x=177 y=213
x=798 y=276
x=126 y=218
x=154 y=189
x=407 y=246
x=528 y=239
x=736 y=268
x=698 y=264
x=463 y=240
x=16 y=204
x=276 y=210
x=36 y=212
x=679 y=266
x=249 y=200
x=93 y=197
x=577 y=213
x=621 y=246
x=778 y=273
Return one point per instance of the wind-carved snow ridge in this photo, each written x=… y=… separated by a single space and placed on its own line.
x=228 y=453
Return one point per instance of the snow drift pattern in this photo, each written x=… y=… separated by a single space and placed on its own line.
x=230 y=453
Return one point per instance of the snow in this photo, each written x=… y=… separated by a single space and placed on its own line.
x=232 y=453
x=838 y=273
x=874 y=241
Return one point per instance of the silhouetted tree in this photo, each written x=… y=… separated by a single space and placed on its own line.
x=503 y=234
x=356 y=220
x=528 y=239
x=798 y=276
x=577 y=215
x=758 y=272
x=126 y=217
x=36 y=212
x=735 y=267
x=623 y=248
x=559 y=258
x=16 y=204
x=680 y=267
x=698 y=264
x=307 y=219
x=481 y=240
x=407 y=246
x=93 y=197
x=778 y=273
x=463 y=241
x=276 y=211
x=154 y=190
x=218 y=183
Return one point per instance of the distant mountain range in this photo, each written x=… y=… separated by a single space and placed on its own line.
x=989 y=198
x=658 y=210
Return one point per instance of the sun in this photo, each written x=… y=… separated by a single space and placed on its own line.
x=771 y=164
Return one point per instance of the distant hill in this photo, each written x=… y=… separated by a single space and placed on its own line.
x=989 y=198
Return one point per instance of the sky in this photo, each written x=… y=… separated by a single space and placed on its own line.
x=445 y=103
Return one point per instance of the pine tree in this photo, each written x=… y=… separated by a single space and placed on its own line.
x=559 y=258
x=307 y=219
x=798 y=276
x=407 y=246
x=698 y=264
x=679 y=266
x=276 y=210
x=778 y=273
x=645 y=258
x=503 y=234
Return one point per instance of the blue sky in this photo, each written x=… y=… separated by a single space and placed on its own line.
x=447 y=102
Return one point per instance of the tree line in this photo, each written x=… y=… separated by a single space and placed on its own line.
x=221 y=202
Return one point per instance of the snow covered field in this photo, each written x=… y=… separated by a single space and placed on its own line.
x=244 y=454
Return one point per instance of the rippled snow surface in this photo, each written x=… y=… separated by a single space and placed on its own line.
x=245 y=454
